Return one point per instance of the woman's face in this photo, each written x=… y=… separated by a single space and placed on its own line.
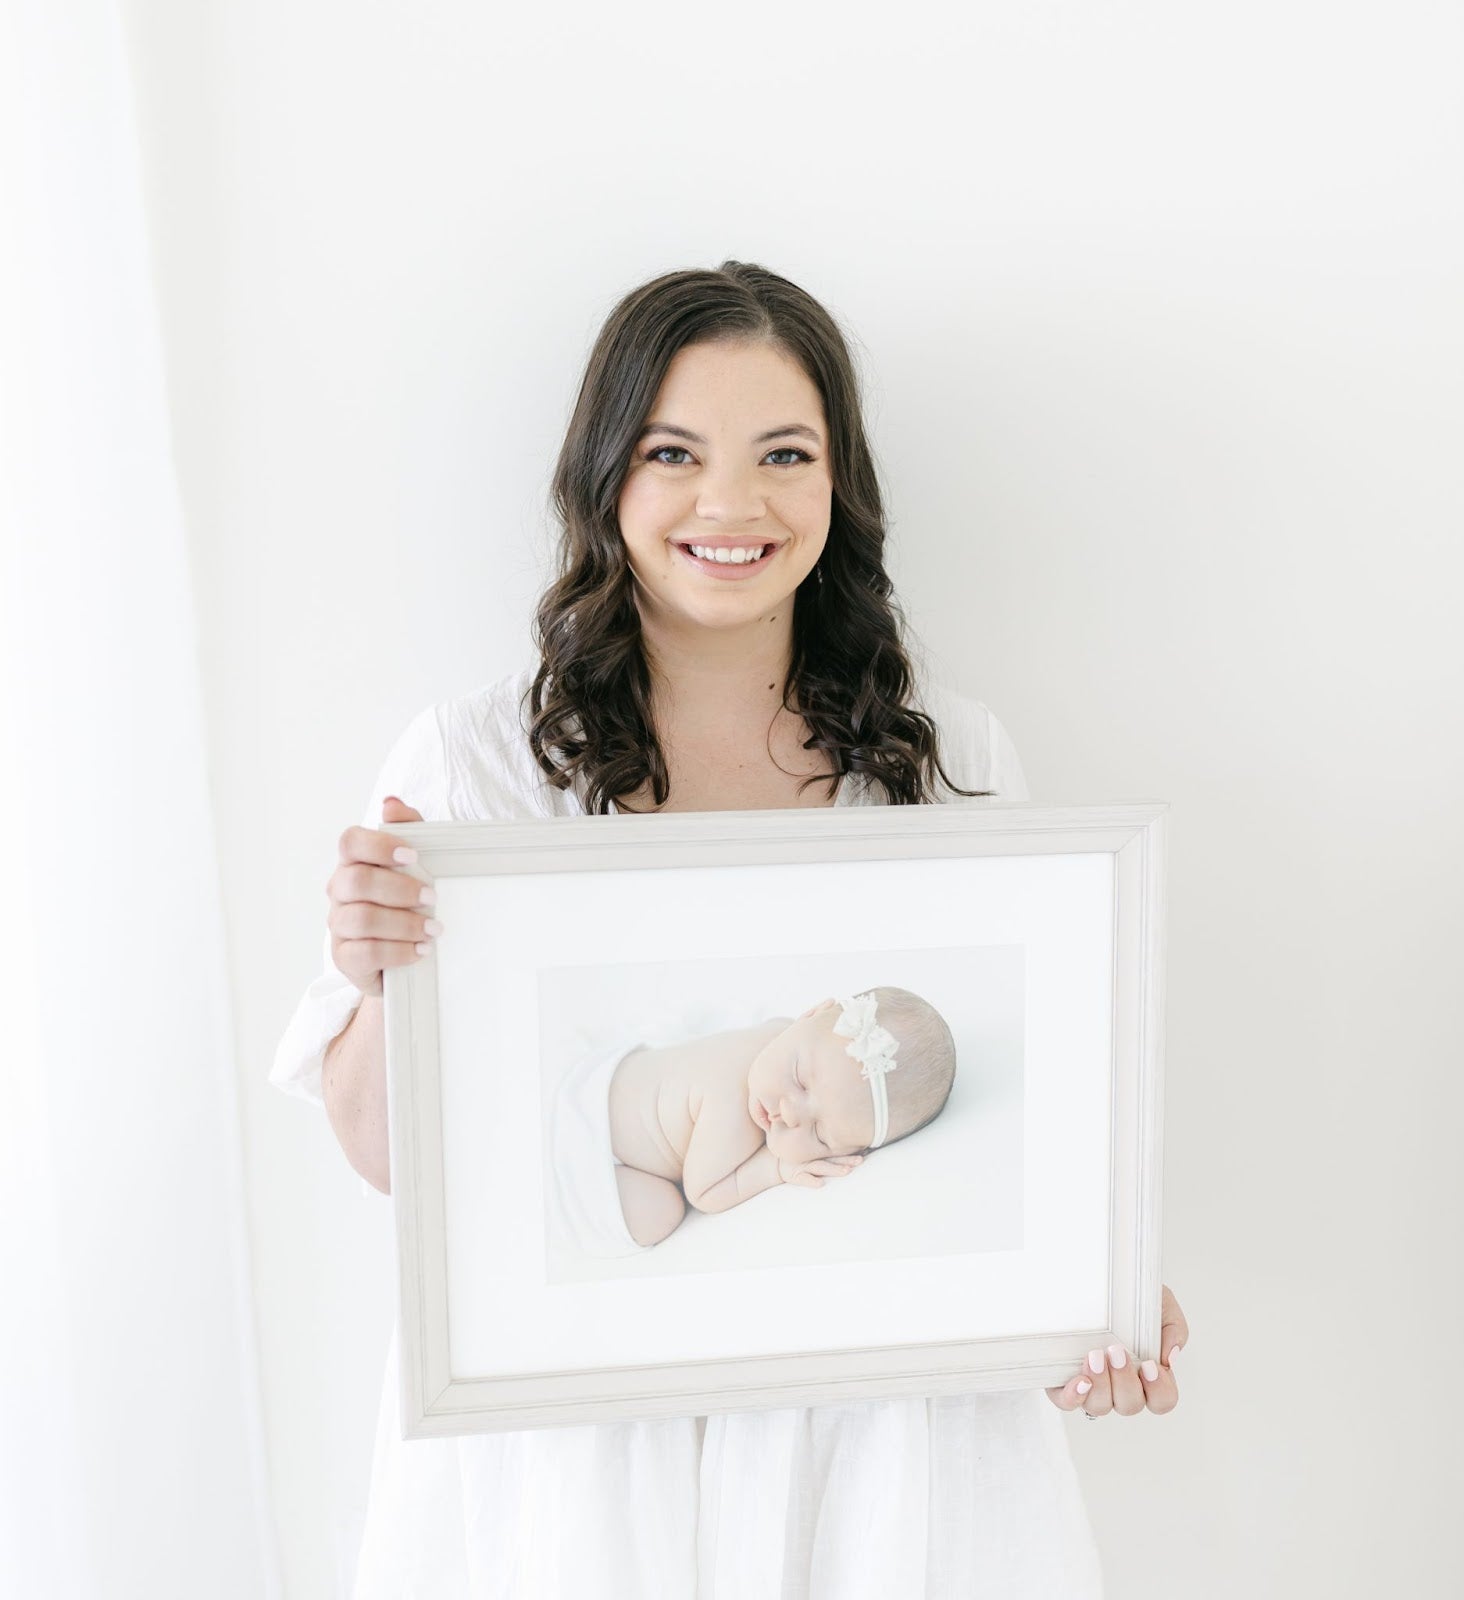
x=805 y=1091
x=734 y=454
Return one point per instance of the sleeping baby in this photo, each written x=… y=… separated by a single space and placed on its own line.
x=720 y=1118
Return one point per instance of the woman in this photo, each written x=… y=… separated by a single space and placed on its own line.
x=719 y=412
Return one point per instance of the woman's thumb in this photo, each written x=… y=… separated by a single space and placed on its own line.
x=395 y=810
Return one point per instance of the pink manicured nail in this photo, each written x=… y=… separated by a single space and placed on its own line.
x=1117 y=1355
x=1172 y=1354
x=1150 y=1370
x=1095 y=1361
x=405 y=854
x=1084 y=1386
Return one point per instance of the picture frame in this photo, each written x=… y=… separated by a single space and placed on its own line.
x=990 y=1249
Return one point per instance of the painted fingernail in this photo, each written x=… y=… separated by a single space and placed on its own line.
x=405 y=854
x=1172 y=1354
x=1150 y=1370
x=428 y=896
x=1084 y=1386
x=432 y=927
x=1095 y=1361
x=1117 y=1355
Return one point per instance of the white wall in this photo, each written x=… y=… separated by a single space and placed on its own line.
x=1161 y=308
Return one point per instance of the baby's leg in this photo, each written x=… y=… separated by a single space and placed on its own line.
x=653 y=1207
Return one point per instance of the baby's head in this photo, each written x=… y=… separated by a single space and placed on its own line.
x=809 y=1094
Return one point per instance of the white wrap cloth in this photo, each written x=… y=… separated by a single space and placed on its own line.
x=584 y=1195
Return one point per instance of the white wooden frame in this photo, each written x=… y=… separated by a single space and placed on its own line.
x=438 y=1400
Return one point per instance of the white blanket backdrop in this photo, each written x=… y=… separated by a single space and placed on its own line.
x=131 y=1453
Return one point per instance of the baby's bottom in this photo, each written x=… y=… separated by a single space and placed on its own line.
x=652 y=1207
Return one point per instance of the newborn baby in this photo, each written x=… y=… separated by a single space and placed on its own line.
x=730 y=1114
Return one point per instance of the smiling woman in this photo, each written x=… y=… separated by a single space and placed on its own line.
x=719 y=411
x=722 y=599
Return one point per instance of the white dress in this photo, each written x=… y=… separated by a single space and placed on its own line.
x=906 y=1499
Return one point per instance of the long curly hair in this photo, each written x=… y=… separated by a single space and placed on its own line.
x=849 y=677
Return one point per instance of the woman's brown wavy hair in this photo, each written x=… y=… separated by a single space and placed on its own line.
x=849 y=677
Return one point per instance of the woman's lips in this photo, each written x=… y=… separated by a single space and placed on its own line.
x=729 y=569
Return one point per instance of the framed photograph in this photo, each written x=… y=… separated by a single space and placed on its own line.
x=714 y=1111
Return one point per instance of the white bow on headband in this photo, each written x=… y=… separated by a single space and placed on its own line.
x=874 y=1048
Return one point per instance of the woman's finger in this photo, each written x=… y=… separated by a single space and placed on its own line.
x=383 y=886
x=360 y=919
x=1127 y=1386
x=1070 y=1395
x=375 y=846
x=1161 y=1392
x=1099 y=1400
x=377 y=954
x=1173 y=1330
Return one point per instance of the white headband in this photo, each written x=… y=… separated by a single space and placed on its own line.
x=874 y=1048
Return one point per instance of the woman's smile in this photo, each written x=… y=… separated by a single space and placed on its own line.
x=727 y=567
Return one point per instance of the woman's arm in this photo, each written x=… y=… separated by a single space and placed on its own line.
x=353 y=1082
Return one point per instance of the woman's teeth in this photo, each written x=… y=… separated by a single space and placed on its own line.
x=725 y=555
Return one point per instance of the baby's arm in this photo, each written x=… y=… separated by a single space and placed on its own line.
x=758 y=1172
x=727 y=1158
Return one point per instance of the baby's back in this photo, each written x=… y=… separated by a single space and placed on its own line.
x=656 y=1093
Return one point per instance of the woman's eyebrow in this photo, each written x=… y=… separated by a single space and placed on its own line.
x=696 y=438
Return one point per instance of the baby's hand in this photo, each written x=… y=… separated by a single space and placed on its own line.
x=811 y=1174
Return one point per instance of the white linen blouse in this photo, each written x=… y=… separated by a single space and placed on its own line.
x=902 y=1499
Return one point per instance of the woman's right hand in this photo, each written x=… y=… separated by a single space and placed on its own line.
x=379 y=913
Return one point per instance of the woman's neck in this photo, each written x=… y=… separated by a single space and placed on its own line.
x=734 y=672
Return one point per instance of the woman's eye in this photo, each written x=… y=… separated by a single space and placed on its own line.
x=783 y=450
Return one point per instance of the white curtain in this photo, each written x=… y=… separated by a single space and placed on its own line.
x=131 y=1445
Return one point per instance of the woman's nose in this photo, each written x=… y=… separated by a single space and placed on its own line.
x=730 y=496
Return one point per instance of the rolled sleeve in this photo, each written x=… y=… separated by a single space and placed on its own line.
x=325 y=1008
x=414 y=771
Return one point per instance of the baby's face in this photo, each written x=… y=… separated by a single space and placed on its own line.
x=805 y=1091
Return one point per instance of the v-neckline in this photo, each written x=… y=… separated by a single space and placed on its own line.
x=843 y=796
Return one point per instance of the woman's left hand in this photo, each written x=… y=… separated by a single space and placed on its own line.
x=1118 y=1383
